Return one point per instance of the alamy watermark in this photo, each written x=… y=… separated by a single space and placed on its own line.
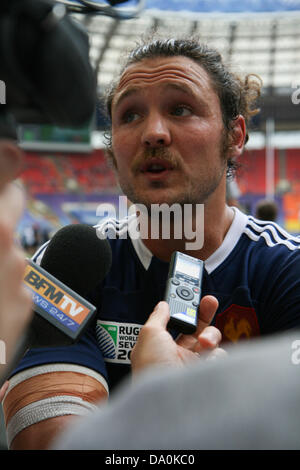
x=164 y=221
x=295 y=357
x=2 y=92
x=2 y=352
x=296 y=93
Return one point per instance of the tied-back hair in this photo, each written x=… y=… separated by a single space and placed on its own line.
x=237 y=95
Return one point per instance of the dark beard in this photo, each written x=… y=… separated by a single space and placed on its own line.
x=194 y=194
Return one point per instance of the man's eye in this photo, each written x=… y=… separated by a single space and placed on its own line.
x=130 y=116
x=181 y=111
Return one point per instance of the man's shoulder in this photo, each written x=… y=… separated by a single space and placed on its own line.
x=268 y=252
x=270 y=237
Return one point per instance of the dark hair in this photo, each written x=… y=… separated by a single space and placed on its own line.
x=266 y=210
x=237 y=96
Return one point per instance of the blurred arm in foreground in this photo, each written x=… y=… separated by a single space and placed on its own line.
x=15 y=308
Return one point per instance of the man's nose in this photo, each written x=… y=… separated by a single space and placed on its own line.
x=156 y=132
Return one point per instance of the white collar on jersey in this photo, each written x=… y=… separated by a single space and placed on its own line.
x=238 y=224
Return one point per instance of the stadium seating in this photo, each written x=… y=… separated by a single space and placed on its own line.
x=44 y=174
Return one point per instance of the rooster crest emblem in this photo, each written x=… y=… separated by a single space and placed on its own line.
x=238 y=323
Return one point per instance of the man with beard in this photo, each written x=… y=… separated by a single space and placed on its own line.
x=178 y=123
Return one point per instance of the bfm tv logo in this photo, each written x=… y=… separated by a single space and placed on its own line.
x=54 y=294
x=50 y=296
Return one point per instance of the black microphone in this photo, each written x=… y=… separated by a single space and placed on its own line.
x=74 y=263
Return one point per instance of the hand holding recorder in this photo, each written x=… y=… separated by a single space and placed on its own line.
x=155 y=345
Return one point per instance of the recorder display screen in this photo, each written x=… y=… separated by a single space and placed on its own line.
x=187 y=267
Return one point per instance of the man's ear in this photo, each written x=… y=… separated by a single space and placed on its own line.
x=237 y=137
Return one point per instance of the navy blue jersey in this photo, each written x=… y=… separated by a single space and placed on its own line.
x=254 y=274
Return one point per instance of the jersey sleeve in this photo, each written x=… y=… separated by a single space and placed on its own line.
x=86 y=352
x=282 y=296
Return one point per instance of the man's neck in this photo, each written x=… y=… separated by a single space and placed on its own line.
x=216 y=225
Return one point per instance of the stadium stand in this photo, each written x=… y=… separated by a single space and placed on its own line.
x=255 y=37
x=57 y=174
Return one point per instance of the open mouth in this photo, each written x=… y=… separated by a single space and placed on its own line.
x=156 y=166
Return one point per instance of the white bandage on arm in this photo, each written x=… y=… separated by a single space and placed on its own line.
x=49 y=391
x=45 y=409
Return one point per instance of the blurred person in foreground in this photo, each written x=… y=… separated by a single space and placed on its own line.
x=245 y=400
x=179 y=121
x=15 y=301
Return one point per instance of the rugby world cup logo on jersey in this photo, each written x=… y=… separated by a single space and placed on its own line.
x=116 y=340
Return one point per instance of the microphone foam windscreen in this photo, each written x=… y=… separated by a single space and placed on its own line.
x=77 y=257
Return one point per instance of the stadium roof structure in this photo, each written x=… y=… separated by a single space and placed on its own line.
x=254 y=36
x=225 y=6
